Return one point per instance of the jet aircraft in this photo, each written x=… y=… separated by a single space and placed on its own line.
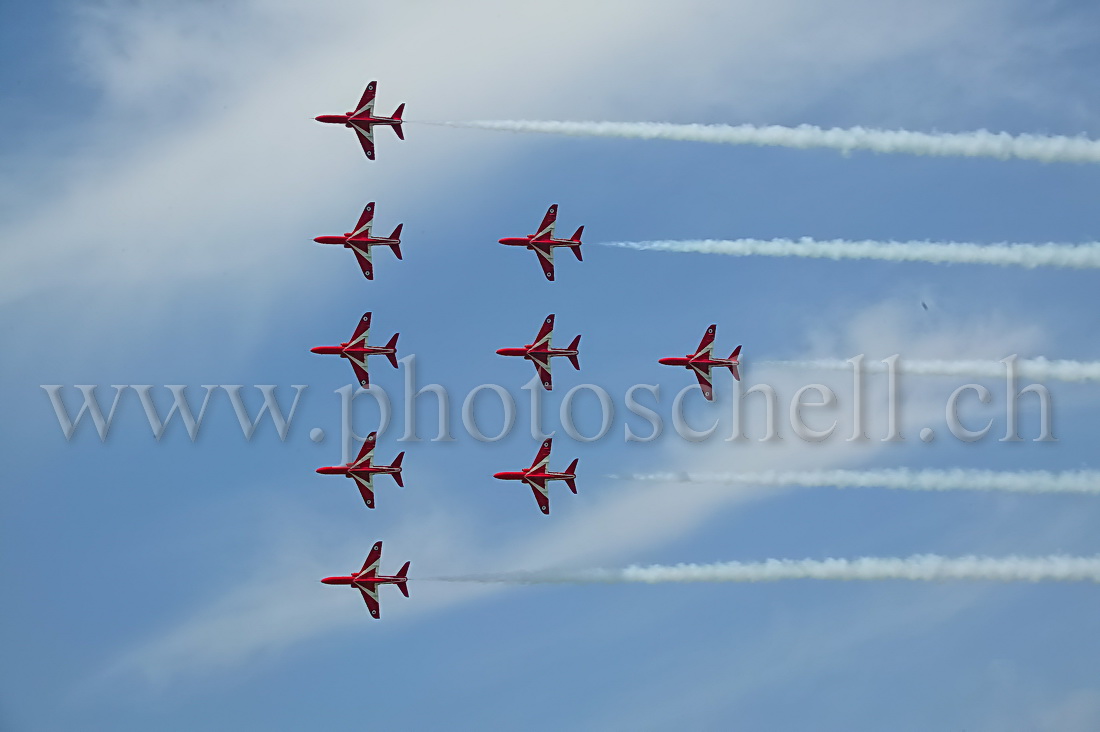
x=702 y=361
x=363 y=120
x=367 y=580
x=543 y=242
x=537 y=476
x=540 y=352
x=363 y=469
x=356 y=350
x=360 y=241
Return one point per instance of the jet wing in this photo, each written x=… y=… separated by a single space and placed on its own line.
x=366 y=102
x=544 y=454
x=365 y=133
x=545 y=333
x=703 y=374
x=370 y=596
x=707 y=344
x=542 y=495
x=543 y=369
x=363 y=225
x=366 y=452
x=546 y=228
x=366 y=488
x=370 y=566
x=360 y=369
x=546 y=259
x=365 y=263
x=362 y=330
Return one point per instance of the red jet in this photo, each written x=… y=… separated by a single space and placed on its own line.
x=537 y=476
x=543 y=242
x=701 y=362
x=360 y=241
x=362 y=470
x=356 y=350
x=367 y=579
x=540 y=352
x=362 y=120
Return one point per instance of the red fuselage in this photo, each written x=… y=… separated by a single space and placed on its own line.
x=347 y=240
x=530 y=353
x=535 y=475
x=364 y=580
x=346 y=120
x=347 y=470
x=688 y=361
x=344 y=351
x=525 y=241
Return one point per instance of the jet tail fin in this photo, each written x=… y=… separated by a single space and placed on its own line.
x=397 y=464
x=397 y=127
x=733 y=367
x=396 y=246
x=403 y=572
x=572 y=470
x=577 y=249
x=392 y=345
x=574 y=358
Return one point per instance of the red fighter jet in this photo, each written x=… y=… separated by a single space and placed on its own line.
x=543 y=242
x=367 y=579
x=360 y=241
x=356 y=350
x=363 y=470
x=362 y=120
x=537 y=476
x=540 y=352
x=701 y=362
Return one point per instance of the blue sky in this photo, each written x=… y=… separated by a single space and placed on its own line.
x=163 y=181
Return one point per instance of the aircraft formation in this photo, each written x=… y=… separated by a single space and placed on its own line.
x=539 y=352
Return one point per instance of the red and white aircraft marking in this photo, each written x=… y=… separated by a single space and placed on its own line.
x=363 y=120
x=362 y=469
x=356 y=350
x=360 y=241
x=537 y=476
x=367 y=579
x=540 y=352
x=701 y=362
x=543 y=242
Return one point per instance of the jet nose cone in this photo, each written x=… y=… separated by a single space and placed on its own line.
x=501 y=351
x=499 y=475
x=328 y=581
x=315 y=349
x=502 y=241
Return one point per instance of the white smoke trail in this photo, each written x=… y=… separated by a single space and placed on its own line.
x=1076 y=256
x=1035 y=369
x=920 y=568
x=980 y=143
x=1036 y=481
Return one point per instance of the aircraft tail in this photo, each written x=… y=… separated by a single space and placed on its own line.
x=574 y=358
x=397 y=464
x=577 y=248
x=392 y=345
x=397 y=116
x=396 y=247
x=572 y=470
x=733 y=367
x=403 y=572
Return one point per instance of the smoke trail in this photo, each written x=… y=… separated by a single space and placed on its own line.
x=1036 y=369
x=1076 y=256
x=981 y=143
x=920 y=568
x=1036 y=481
